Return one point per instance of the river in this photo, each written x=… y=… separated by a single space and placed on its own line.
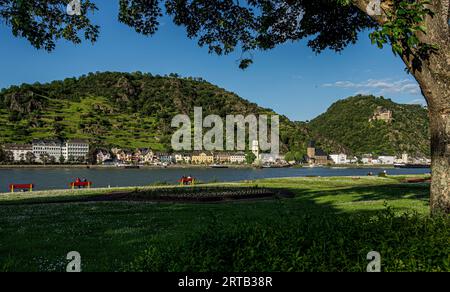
x=59 y=178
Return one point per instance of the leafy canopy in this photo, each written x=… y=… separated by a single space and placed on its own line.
x=226 y=25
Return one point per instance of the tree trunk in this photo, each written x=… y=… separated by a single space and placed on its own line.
x=434 y=81
x=440 y=153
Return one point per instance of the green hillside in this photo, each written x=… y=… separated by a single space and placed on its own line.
x=122 y=109
x=347 y=122
x=133 y=110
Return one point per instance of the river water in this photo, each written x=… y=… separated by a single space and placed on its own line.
x=59 y=178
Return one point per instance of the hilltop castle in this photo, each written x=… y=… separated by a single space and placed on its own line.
x=381 y=114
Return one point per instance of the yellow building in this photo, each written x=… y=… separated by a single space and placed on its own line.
x=202 y=158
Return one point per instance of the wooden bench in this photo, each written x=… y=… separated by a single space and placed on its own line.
x=13 y=187
x=83 y=184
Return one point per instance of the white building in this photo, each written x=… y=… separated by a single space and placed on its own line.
x=19 y=151
x=238 y=157
x=56 y=148
x=102 y=156
x=76 y=149
x=405 y=158
x=52 y=148
x=339 y=158
x=270 y=158
x=386 y=159
x=366 y=160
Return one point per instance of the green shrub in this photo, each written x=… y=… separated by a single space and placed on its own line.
x=407 y=242
x=382 y=174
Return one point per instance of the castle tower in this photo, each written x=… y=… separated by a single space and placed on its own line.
x=255 y=148
x=311 y=150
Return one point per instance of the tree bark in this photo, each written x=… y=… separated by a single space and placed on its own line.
x=440 y=151
x=434 y=80
x=435 y=84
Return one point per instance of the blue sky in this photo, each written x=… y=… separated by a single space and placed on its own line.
x=290 y=79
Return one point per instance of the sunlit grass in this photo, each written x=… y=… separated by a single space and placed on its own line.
x=109 y=235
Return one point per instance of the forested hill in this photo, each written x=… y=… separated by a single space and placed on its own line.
x=124 y=109
x=357 y=123
x=133 y=110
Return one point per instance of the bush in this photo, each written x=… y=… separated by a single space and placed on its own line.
x=382 y=174
x=407 y=242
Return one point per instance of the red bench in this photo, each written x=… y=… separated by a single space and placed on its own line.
x=13 y=187
x=80 y=184
x=187 y=181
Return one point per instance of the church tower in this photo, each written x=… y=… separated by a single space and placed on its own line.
x=255 y=148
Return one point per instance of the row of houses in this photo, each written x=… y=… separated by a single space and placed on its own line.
x=54 y=149
x=77 y=150
x=147 y=156
x=318 y=156
x=342 y=158
x=404 y=159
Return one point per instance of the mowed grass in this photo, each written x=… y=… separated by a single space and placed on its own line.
x=111 y=235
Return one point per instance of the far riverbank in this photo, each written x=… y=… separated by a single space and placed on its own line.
x=180 y=166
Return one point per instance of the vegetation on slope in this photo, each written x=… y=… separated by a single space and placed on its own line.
x=132 y=110
x=347 y=123
x=122 y=109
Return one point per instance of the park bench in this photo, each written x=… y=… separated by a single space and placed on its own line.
x=81 y=184
x=187 y=181
x=13 y=187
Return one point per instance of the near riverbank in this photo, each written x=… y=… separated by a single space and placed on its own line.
x=347 y=217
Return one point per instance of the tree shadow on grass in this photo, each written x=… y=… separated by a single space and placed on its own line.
x=310 y=233
x=305 y=233
x=358 y=194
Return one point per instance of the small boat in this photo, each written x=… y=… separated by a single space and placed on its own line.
x=412 y=165
x=218 y=166
x=131 y=166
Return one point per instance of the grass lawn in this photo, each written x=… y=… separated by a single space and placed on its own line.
x=330 y=224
